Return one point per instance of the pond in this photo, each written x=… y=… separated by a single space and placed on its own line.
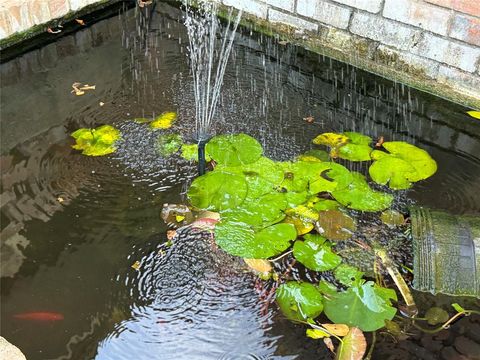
x=73 y=226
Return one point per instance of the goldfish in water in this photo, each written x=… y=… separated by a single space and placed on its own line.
x=39 y=316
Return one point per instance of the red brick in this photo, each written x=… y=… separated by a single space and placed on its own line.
x=471 y=7
x=466 y=28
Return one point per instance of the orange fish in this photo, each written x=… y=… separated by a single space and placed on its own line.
x=39 y=316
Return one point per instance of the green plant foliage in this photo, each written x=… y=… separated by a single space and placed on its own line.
x=403 y=165
x=324 y=204
x=348 y=275
x=242 y=240
x=234 y=150
x=349 y=145
x=314 y=156
x=299 y=300
x=96 y=142
x=190 y=152
x=335 y=225
x=267 y=209
x=365 y=306
x=169 y=144
x=217 y=191
x=316 y=254
x=436 y=315
x=359 y=196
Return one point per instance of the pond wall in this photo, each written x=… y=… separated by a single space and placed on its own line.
x=433 y=45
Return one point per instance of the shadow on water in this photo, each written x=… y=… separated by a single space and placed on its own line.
x=73 y=226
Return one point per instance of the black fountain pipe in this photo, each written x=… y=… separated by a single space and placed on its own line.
x=201 y=157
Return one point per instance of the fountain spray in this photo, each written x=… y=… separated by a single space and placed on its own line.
x=209 y=50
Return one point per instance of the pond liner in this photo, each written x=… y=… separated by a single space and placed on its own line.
x=446 y=251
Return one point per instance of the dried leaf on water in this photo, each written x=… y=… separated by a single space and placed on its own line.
x=136 y=265
x=335 y=225
x=329 y=344
x=337 y=329
x=171 y=234
x=259 y=265
x=80 y=21
x=353 y=346
x=309 y=119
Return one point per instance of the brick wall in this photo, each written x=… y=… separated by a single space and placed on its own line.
x=431 y=44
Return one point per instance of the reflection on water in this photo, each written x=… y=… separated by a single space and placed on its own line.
x=72 y=226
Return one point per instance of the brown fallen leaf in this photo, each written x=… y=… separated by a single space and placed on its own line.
x=60 y=200
x=337 y=329
x=87 y=87
x=80 y=21
x=136 y=265
x=51 y=31
x=379 y=142
x=329 y=343
x=353 y=346
x=309 y=119
x=171 y=234
x=259 y=265
x=79 y=92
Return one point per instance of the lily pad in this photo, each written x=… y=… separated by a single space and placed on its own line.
x=365 y=306
x=392 y=218
x=347 y=275
x=403 y=165
x=314 y=156
x=169 y=144
x=325 y=204
x=349 y=145
x=301 y=226
x=242 y=240
x=190 y=153
x=359 y=196
x=316 y=254
x=335 y=225
x=234 y=150
x=164 y=121
x=96 y=142
x=265 y=210
x=299 y=300
x=217 y=191
x=353 y=346
x=436 y=315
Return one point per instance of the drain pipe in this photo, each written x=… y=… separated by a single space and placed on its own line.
x=201 y=157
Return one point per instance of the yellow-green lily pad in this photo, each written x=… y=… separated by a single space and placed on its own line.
x=164 y=121
x=403 y=165
x=96 y=142
x=349 y=145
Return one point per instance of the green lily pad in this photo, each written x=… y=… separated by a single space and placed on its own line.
x=169 y=144
x=96 y=142
x=325 y=204
x=348 y=275
x=242 y=240
x=265 y=210
x=299 y=300
x=314 y=156
x=359 y=196
x=316 y=254
x=436 y=315
x=217 y=191
x=234 y=150
x=301 y=226
x=190 y=153
x=365 y=306
x=335 y=225
x=403 y=165
x=349 y=145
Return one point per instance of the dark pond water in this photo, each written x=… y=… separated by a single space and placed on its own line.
x=72 y=226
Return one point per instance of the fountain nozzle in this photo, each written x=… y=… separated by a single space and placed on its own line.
x=201 y=156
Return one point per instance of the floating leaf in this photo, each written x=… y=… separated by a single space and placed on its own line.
x=259 y=265
x=190 y=153
x=169 y=144
x=301 y=226
x=349 y=145
x=357 y=149
x=264 y=211
x=353 y=346
x=348 y=275
x=392 y=218
x=234 y=150
x=303 y=212
x=136 y=265
x=217 y=191
x=142 y=120
x=96 y=142
x=436 y=315
x=324 y=204
x=299 y=300
x=164 y=121
x=359 y=196
x=242 y=240
x=337 y=329
x=403 y=165
x=316 y=254
x=474 y=114
x=365 y=306
x=314 y=156
x=316 y=334
x=335 y=225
